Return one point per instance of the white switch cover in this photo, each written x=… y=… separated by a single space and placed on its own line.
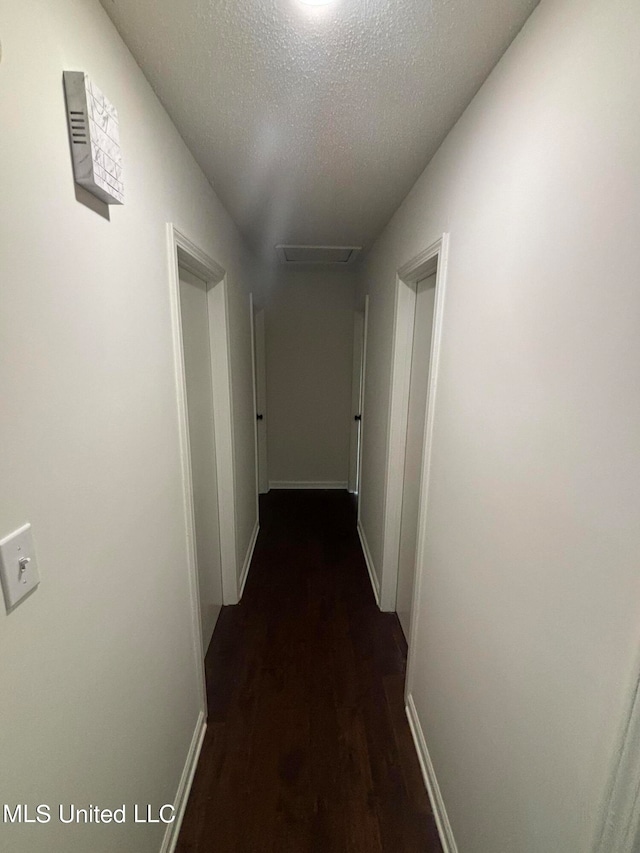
x=18 y=566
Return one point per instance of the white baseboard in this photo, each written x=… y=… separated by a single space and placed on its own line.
x=244 y=574
x=431 y=783
x=369 y=561
x=307 y=484
x=184 y=787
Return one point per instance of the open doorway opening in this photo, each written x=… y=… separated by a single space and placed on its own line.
x=260 y=395
x=196 y=343
x=416 y=417
x=203 y=385
x=416 y=345
x=357 y=396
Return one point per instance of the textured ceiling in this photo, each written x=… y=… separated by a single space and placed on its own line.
x=312 y=123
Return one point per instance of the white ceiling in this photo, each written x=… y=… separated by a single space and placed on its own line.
x=312 y=123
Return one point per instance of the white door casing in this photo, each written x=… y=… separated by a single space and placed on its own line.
x=260 y=396
x=356 y=399
x=182 y=252
x=199 y=395
x=431 y=260
x=417 y=410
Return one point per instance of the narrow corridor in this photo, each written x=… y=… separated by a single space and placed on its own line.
x=307 y=747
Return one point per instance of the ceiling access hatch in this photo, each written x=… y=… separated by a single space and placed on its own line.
x=317 y=254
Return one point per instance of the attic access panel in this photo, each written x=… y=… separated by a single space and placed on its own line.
x=317 y=254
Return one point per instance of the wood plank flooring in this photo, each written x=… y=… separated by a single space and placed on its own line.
x=307 y=749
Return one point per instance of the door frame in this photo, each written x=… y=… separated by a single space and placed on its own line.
x=258 y=356
x=357 y=383
x=365 y=332
x=617 y=828
x=182 y=252
x=432 y=259
x=254 y=387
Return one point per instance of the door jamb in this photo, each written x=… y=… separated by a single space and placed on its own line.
x=365 y=333
x=423 y=511
x=356 y=383
x=260 y=392
x=254 y=378
x=617 y=828
x=182 y=252
x=432 y=259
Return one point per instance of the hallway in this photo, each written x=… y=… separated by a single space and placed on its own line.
x=307 y=747
x=258 y=255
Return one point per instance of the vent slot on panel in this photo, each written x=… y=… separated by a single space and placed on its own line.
x=77 y=120
x=317 y=254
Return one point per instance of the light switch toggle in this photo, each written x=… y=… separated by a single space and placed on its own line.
x=23 y=562
x=18 y=566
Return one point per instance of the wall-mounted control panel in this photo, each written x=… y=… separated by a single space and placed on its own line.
x=95 y=138
x=18 y=566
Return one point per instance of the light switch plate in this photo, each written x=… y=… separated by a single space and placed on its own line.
x=18 y=566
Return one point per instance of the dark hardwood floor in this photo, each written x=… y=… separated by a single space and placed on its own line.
x=307 y=747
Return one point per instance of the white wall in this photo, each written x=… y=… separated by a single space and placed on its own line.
x=100 y=684
x=530 y=613
x=309 y=330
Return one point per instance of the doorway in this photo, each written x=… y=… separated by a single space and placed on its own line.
x=202 y=452
x=260 y=395
x=416 y=416
x=357 y=397
x=198 y=292
x=420 y=288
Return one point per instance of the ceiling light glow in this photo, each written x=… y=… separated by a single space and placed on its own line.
x=316 y=2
